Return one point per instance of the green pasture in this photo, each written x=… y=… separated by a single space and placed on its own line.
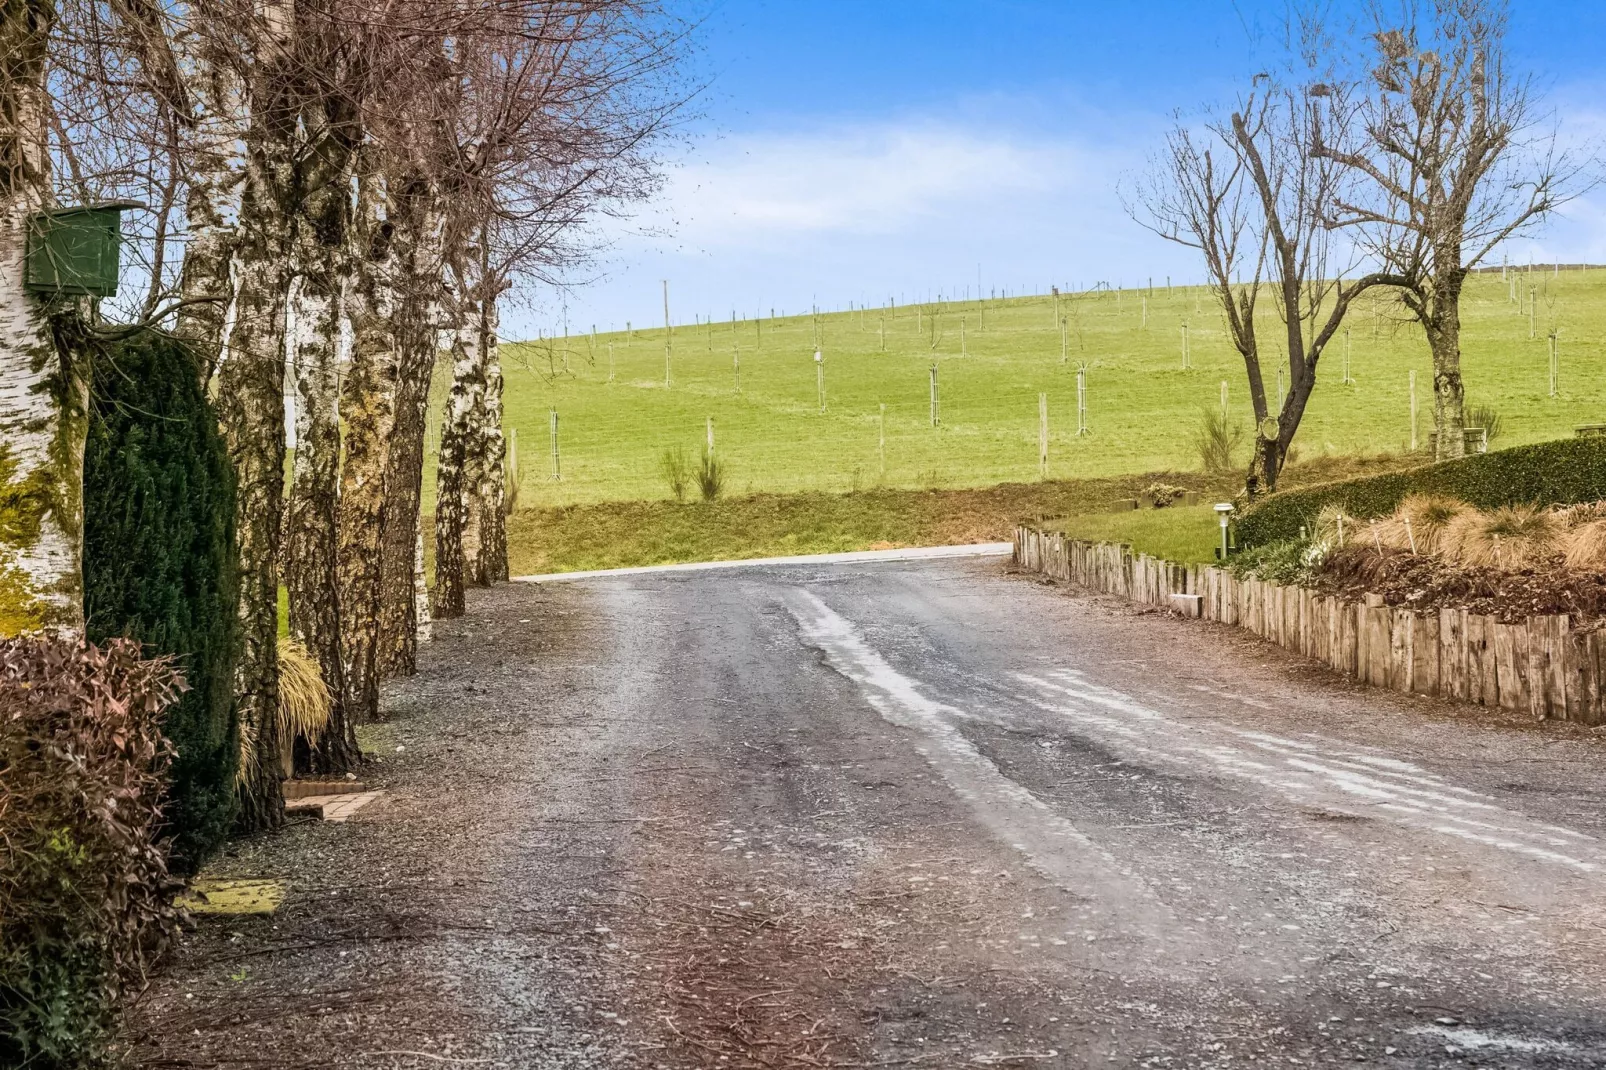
x=993 y=359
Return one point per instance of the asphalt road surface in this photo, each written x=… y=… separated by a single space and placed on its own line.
x=924 y=814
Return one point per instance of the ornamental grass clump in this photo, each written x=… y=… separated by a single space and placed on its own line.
x=1420 y=523
x=1512 y=538
x=305 y=706
x=1585 y=546
x=86 y=899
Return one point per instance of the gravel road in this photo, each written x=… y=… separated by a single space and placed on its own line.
x=923 y=814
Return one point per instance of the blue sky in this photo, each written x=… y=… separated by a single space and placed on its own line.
x=855 y=151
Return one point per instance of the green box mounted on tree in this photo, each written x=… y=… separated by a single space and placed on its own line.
x=76 y=251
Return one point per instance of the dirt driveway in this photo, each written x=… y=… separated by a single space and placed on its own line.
x=923 y=814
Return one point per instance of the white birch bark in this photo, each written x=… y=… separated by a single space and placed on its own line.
x=215 y=146
x=42 y=389
x=488 y=564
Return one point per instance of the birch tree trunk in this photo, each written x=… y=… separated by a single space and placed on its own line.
x=42 y=386
x=457 y=471
x=311 y=549
x=215 y=148
x=369 y=404
x=490 y=564
x=251 y=408
x=404 y=617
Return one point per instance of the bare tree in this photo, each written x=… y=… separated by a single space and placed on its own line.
x=1452 y=163
x=1257 y=195
x=560 y=112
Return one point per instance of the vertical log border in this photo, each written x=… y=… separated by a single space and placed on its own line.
x=1540 y=667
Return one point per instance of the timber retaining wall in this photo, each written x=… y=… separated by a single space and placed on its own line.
x=1540 y=666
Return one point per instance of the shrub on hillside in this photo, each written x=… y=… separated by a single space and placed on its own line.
x=1563 y=472
x=1163 y=495
x=1486 y=417
x=1216 y=441
x=86 y=901
x=710 y=477
x=675 y=465
x=159 y=562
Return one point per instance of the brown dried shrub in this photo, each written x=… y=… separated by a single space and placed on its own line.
x=86 y=900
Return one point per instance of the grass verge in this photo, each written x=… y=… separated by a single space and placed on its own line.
x=1185 y=534
x=627 y=534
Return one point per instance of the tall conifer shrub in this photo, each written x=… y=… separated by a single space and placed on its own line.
x=159 y=562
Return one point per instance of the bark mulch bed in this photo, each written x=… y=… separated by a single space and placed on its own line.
x=1424 y=583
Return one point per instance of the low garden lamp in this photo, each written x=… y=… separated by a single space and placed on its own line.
x=1224 y=514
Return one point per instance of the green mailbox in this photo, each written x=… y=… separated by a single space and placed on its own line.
x=75 y=250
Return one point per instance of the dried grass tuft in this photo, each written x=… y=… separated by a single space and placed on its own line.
x=1577 y=516
x=1511 y=538
x=1420 y=522
x=304 y=705
x=1585 y=546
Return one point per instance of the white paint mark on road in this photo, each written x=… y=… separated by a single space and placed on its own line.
x=1477 y=1040
x=1054 y=846
x=1314 y=771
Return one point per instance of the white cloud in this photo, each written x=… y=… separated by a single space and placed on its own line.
x=864 y=211
x=867 y=180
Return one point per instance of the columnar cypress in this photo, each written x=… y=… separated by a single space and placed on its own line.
x=159 y=561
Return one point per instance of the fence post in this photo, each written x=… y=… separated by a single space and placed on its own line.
x=668 y=333
x=1413 y=412
x=882 y=448
x=1042 y=436
x=557 y=466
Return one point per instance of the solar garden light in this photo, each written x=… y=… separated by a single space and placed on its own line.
x=1224 y=514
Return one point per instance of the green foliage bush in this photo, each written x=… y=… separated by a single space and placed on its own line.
x=159 y=563
x=1562 y=472
x=86 y=901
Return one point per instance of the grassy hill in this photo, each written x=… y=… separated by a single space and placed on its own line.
x=993 y=360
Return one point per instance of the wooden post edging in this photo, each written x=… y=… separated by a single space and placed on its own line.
x=1540 y=666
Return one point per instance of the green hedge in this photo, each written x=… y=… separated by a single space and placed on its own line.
x=159 y=562
x=1552 y=473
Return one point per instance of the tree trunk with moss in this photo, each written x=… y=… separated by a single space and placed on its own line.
x=43 y=410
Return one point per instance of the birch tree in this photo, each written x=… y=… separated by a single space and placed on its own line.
x=43 y=408
x=561 y=110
